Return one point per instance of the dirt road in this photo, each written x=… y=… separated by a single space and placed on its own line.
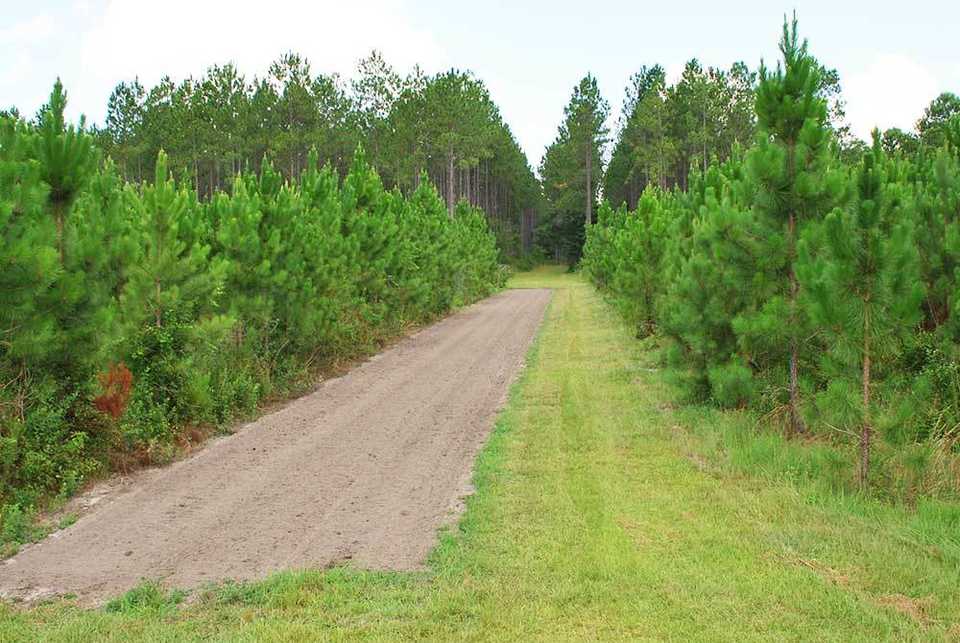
x=365 y=469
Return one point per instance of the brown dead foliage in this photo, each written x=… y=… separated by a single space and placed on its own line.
x=117 y=384
x=834 y=576
x=916 y=608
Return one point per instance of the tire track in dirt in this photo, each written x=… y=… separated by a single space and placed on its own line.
x=365 y=469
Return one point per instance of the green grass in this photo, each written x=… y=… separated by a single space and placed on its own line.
x=596 y=516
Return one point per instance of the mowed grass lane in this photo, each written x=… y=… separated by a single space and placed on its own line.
x=593 y=518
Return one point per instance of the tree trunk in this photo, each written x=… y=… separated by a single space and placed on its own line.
x=866 y=430
x=486 y=187
x=59 y=209
x=589 y=217
x=450 y=185
x=157 y=312
x=796 y=422
x=704 y=140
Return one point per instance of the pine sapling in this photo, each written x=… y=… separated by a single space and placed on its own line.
x=860 y=272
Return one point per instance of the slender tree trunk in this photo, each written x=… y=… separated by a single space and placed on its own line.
x=589 y=217
x=60 y=215
x=450 y=185
x=866 y=431
x=486 y=186
x=661 y=167
x=704 y=140
x=796 y=422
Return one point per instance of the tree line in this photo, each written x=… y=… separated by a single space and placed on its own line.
x=810 y=280
x=662 y=132
x=444 y=126
x=132 y=314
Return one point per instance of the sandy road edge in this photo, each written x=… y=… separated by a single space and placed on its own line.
x=468 y=483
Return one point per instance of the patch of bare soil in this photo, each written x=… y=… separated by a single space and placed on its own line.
x=365 y=469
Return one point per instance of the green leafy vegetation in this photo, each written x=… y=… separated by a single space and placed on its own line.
x=148 y=596
x=135 y=317
x=813 y=288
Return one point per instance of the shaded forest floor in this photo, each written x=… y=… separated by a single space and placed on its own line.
x=597 y=514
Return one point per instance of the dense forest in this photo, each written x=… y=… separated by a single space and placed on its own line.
x=445 y=126
x=137 y=315
x=790 y=270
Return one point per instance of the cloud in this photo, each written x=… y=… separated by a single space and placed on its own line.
x=28 y=32
x=83 y=7
x=130 y=38
x=673 y=72
x=25 y=45
x=891 y=91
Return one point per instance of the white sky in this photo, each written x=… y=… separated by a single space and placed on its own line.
x=893 y=58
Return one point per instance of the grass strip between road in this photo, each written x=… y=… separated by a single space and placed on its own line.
x=596 y=515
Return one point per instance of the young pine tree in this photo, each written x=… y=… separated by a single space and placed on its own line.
x=247 y=260
x=599 y=260
x=638 y=249
x=476 y=252
x=60 y=220
x=790 y=167
x=431 y=282
x=722 y=271
x=938 y=211
x=320 y=261
x=173 y=276
x=28 y=254
x=169 y=301
x=370 y=221
x=67 y=159
x=85 y=210
x=860 y=274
